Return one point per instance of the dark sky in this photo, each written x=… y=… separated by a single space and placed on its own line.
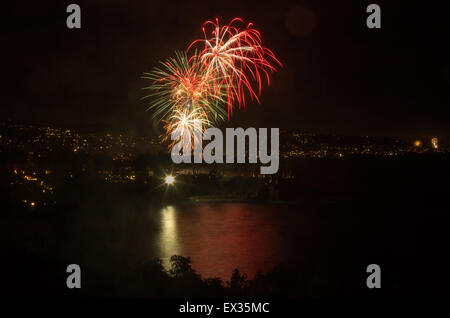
x=338 y=76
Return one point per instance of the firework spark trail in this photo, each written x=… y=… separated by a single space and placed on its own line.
x=189 y=124
x=180 y=84
x=229 y=53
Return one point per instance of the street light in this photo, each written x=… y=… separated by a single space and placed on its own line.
x=169 y=179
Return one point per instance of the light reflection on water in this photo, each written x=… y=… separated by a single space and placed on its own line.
x=221 y=237
x=168 y=239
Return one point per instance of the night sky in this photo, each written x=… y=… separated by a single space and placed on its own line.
x=338 y=76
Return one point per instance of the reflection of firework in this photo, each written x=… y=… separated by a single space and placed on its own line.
x=235 y=57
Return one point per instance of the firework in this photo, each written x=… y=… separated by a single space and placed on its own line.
x=236 y=59
x=191 y=93
x=180 y=85
x=187 y=123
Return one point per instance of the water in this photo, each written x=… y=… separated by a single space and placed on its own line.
x=327 y=241
x=221 y=237
x=319 y=240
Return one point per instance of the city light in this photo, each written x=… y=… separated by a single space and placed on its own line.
x=435 y=143
x=169 y=179
x=417 y=143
